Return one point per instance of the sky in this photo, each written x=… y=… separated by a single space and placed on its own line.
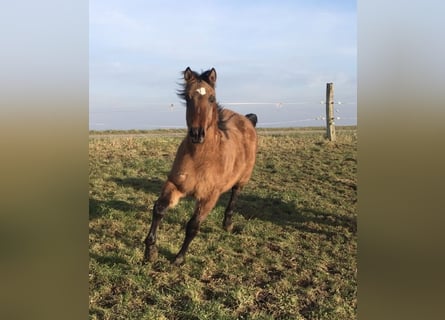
x=272 y=58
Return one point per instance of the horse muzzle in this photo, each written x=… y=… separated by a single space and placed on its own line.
x=197 y=134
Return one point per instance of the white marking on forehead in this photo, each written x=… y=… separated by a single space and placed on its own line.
x=201 y=91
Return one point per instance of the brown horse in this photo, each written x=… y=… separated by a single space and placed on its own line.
x=217 y=154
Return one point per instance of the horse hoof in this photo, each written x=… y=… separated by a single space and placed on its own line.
x=151 y=254
x=228 y=227
x=179 y=260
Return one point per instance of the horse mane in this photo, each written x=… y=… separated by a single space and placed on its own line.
x=204 y=76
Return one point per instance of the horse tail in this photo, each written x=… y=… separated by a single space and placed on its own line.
x=253 y=118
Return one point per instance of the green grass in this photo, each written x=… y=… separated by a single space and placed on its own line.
x=292 y=253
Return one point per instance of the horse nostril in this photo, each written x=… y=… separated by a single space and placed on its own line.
x=194 y=132
x=197 y=134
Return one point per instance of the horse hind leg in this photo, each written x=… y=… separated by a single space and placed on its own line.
x=227 y=222
x=169 y=197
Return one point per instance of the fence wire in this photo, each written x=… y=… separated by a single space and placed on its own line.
x=312 y=115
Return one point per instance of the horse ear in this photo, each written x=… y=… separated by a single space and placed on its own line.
x=212 y=77
x=188 y=74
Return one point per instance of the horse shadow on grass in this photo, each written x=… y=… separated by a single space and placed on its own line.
x=250 y=206
x=147 y=185
x=289 y=215
x=98 y=208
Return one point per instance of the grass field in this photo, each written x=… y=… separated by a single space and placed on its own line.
x=292 y=253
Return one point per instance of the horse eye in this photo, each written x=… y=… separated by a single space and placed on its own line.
x=211 y=99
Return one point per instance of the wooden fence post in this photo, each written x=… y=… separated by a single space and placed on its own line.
x=330 y=124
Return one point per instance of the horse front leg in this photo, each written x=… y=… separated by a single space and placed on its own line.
x=169 y=197
x=202 y=210
x=227 y=222
x=151 y=251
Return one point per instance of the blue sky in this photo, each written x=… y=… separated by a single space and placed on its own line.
x=272 y=58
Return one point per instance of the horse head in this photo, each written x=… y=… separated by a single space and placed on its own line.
x=202 y=109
